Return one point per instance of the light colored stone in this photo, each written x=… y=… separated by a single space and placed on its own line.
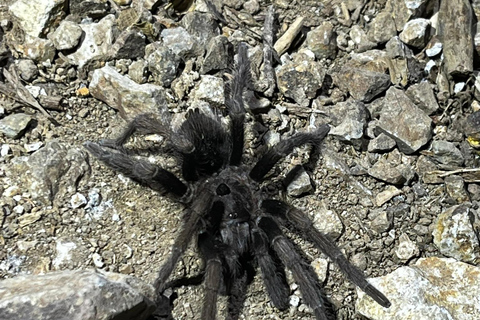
x=35 y=16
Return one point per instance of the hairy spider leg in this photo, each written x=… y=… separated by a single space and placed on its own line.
x=237 y=296
x=146 y=123
x=192 y=217
x=211 y=146
x=235 y=105
x=273 y=277
x=213 y=275
x=142 y=171
x=305 y=278
x=304 y=224
x=285 y=147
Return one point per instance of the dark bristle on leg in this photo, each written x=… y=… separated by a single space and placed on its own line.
x=140 y=170
x=213 y=267
x=307 y=282
x=235 y=105
x=285 y=147
x=304 y=225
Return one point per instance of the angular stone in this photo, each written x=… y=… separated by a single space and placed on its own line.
x=125 y=95
x=130 y=44
x=95 y=9
x=446 y=155
x=27 y=69
x=162 y=63
x=301 y=78
x=96 y=43
x=386 y=195
x=36 y=16
x=138 y=71
x=322 y=41
x=406 y=249
x=422 y=96
x=360 y=38
x=76 y=295
x=382 y=28
x=455 y=236
x=36 y=49
x=455 y=188
x=300 y=185
x=66 y=36
x=52 y=171
x=388 y=172
x=210 y=89
x=403 y=121
x=380 y=220
x=326 y=220
x=455 y=32
x=201 y=25
x=219 y=55
x=181 y=43
x=433 y=288
x=415 y=33
x=349 y=119
x=382 y=143
x=362 y=84
x=14 y=125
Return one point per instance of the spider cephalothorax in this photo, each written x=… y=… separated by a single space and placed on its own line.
x=236 y=226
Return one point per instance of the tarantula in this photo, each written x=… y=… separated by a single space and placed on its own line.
x=236 y=226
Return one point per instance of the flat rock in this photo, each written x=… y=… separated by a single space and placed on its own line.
x=322 y=41
x=301 y=78
x=415 y=33
x=422 y=96
x=80 y=294
x=433 y=288
x=125 y=95
x=381 y=143
x=382 y=28
x=455 y=236
x=14 y=125
x=349 y=119
x=446 y=155
x=201 y=25
x=404 y=122
x=181 y=43
x=66 y=36
x=130 y=44
x=219 y=55
x=36 y=16
x=455 y=19
x=54 y=170
x=96 y=43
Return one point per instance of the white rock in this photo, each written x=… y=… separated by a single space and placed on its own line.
x=35 y=15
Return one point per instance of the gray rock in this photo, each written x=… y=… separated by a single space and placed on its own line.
x=433 y=288
x=125 y=95
x=300 y=185
x=252 y=6
x=455 y=188
x=219 y=55
x=97 y=41
x=27 y=69
x=52 y=171
x=360 y=38
x=13 y=126
x=162 y=63
x=326 y=220
x=322 y=41
x=349 y=119
x=388 y=193
x=446 y=155
x=76 y=295
x=406 y=249
x=138 y=71
x=455 y=19
x=36 y=16
x=362 y=84
x=382 y=143
x=403 y=121
x=181 y=43
x=210 y=89
x=415 y=33
x=89 y=8
x=380 y=220
x=422 y=96
x=382 y=28
x=36 y=49
x=130 y=44
x=201 y=25
x=301 y=78
x=389 y=172
x=455 y=236
x=66 y=36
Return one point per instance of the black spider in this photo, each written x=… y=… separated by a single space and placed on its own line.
x=236 y=227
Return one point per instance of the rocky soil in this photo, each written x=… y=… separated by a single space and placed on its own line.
x=397 y=184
